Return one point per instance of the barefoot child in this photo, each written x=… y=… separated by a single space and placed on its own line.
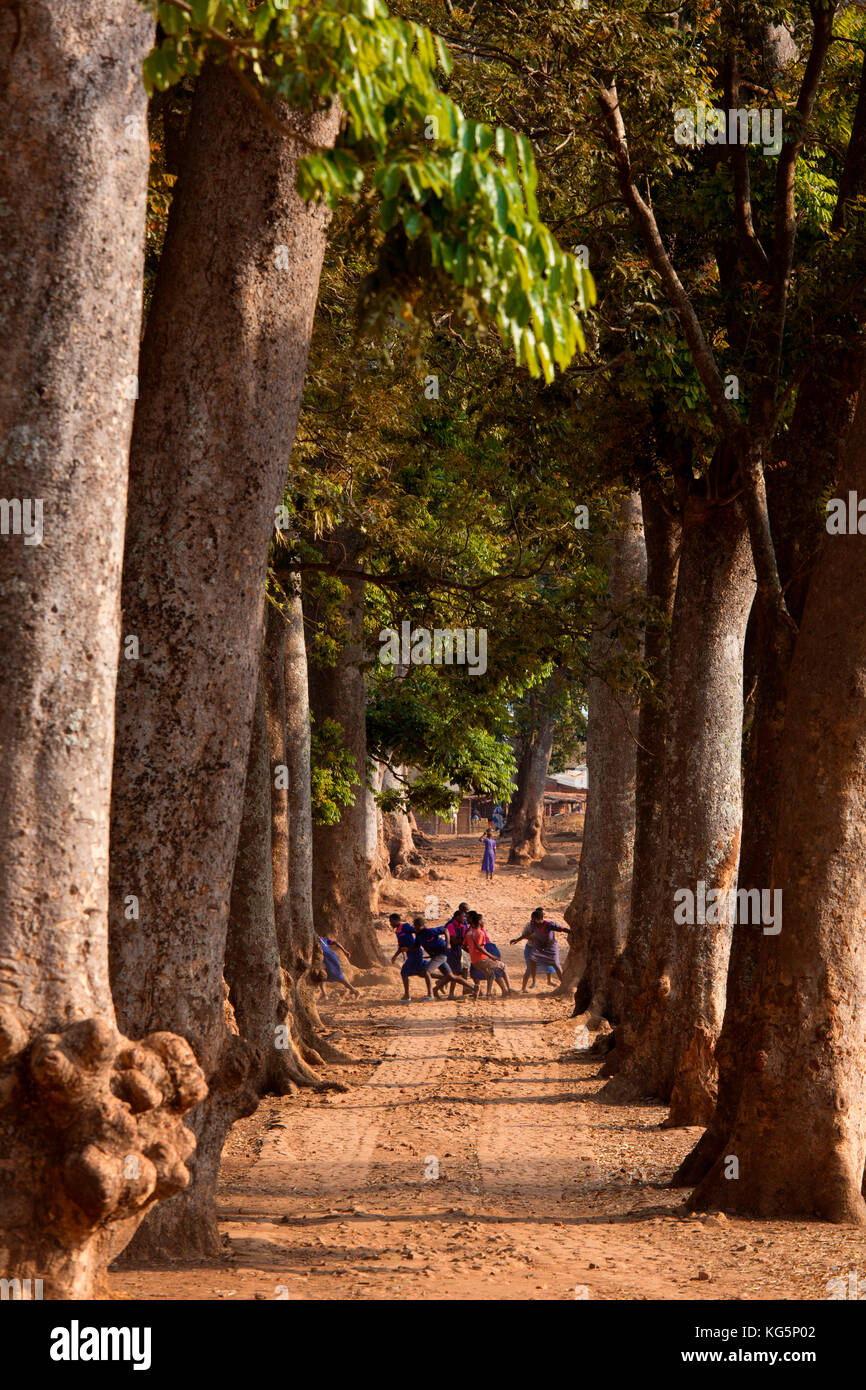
x=333 y=969
x=486 y=963
x=415 y=963
x=488 y=861
x=541 y=948
x=435 y=943
x=456 y=930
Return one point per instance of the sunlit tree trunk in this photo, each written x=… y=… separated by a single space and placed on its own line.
x=341 y=857
x=599 y=913
x=799 y=1136
x=91 y=1131
x=678 y=1015
x=662 y=537
x=527 y=810
x=222 y=371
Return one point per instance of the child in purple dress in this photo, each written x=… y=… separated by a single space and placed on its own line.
x=488 y=863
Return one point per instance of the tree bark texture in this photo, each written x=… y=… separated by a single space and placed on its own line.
x=599 y=912
x=671 y=1035
x=91 y=1131
x=662 y=534
x=222 y=371
x=799 y=1137
x=341 y=861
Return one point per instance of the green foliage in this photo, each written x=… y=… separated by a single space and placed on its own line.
x=334 y=775
x=465 y=189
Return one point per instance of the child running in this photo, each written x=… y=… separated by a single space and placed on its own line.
x=333 y=969
x=541 y=946
x=435 y=942
x=415 y=963
x=486 y=962
x=456 y=930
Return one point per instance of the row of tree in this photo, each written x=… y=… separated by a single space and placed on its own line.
x=195 y=726
x=193 y=593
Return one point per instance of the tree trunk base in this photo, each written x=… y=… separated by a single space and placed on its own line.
x=699 y=1160
x=821 y=1189
x=693 y=1098
x=311 y=1028
x=93 y=1136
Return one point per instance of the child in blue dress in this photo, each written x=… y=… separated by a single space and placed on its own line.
x=415 y=962
x=333 y=969
x=488 y=862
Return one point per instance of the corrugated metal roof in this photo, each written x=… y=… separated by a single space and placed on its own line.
x=574 y=777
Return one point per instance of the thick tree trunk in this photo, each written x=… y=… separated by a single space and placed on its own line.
x=341 y=862
x=527 y=820
x=222 y=371
x=599 y=912
x=91 y=1133
x=678 y=1015
x=397 y=840
x=799 y=1138
x=662 y=536
x=259 y=990
x=821 y=427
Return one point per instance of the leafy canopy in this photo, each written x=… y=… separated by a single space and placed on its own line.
x=463 y=188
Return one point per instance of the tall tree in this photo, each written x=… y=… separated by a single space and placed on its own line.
x=662 y=537
x=807 y=1036
x=234 y=301
x=91 y=1133
x=599 y=912
x=535 y=747
x=677 y=1018
x=343 y=889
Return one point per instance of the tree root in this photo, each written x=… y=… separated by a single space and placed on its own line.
x=93 y=1135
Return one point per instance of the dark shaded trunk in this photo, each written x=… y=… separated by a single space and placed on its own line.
x=599 y=913
x=821 y=425
x=527 y=815
x=798 y=1142
x=677 y=1017
x=662 y=534
x=91 y=1131
x=222 y=371
x=341 y=862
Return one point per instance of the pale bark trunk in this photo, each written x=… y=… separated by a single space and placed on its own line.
x=274 y=681
x=799 y=1137
x=677 y=1018
x=398 y=841
x=288 y=709
x=91 y=1133
x=259 y=990
x=599 y=913
x=341 y=865
x=298 y=763
x=527 y=820
x=662 y=536
x=222 y=372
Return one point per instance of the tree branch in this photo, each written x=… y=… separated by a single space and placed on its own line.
x=726 y=418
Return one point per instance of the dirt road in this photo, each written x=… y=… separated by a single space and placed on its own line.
x=470 y=1159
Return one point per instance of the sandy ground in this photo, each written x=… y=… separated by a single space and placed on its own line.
x=470 y=1159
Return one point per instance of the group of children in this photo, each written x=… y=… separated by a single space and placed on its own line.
x=458 y=954
x=461 y=955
